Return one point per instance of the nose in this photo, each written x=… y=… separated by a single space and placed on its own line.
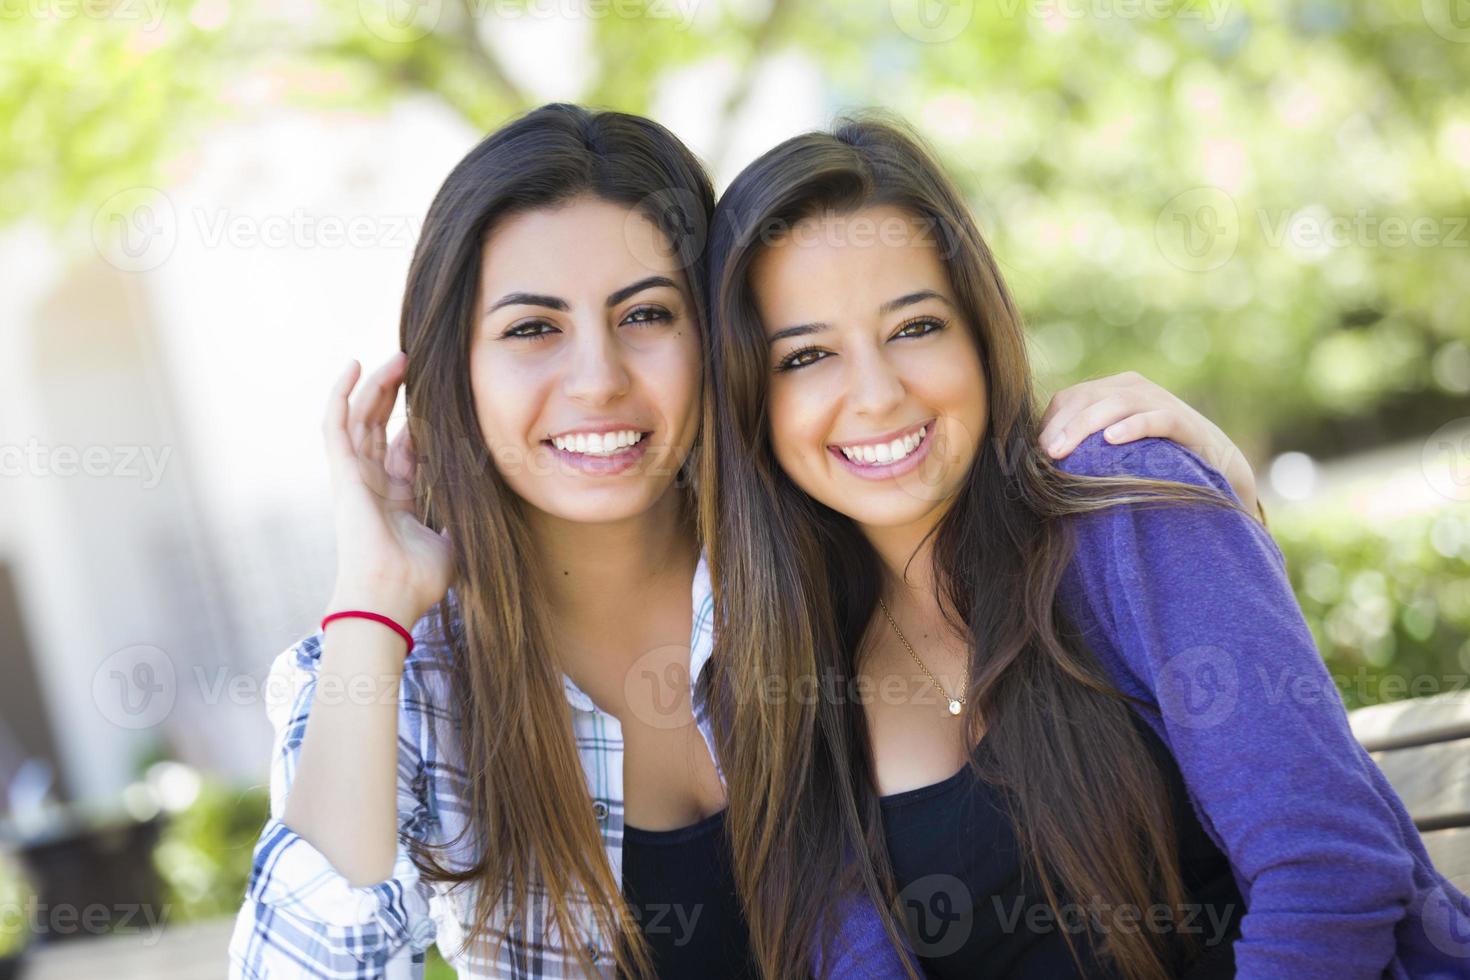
x=875 y=389
x=597 y=374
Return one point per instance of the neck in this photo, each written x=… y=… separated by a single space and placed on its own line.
x=580 y=565
x=907 y=556
x=593 y=574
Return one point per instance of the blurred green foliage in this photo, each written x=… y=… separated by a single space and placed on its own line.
x=203 y=857
x=1388 y=603
x=1261 y=206
x=15 y=891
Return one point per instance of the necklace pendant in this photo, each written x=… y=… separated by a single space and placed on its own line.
x=954 y=706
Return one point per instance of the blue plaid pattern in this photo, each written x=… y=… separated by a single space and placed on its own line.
x=301 y=918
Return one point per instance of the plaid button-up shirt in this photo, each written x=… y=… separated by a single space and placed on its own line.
x=302 y=918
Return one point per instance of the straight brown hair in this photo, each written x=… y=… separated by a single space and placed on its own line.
x=801 y=584
x=531 y=816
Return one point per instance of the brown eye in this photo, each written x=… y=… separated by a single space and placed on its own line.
x=530 y=330
x=801 y=358
x=648 y=314
x=920 y=327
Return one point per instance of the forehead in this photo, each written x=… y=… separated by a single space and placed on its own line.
x=585 y=242
x=849 y=260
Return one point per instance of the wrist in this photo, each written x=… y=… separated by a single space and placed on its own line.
x=396 y=607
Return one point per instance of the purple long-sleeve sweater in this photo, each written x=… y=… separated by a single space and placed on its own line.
x=1189 y=609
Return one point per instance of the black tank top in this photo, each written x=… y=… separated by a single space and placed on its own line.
x=681 y=889
x=970 y=914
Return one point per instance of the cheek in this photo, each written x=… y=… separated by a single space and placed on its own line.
x=800 y=413
x=507 y=398
x=952 y=381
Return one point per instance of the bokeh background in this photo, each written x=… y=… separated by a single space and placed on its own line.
x=207 y=207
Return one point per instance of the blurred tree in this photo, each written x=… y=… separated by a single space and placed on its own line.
x=1261 y=206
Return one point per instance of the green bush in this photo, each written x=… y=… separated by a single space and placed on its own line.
x=15 y=888
x=1388 y=601
x=204 y=854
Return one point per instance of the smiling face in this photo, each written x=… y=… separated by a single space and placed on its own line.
x=585 y=361
x=877 y=396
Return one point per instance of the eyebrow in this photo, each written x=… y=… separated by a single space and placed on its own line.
x=893 y=305
x=557 y=303
x=800 y=330
x=910 y=299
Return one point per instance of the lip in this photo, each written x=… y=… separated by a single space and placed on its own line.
x=619 y=462
x=887 y=471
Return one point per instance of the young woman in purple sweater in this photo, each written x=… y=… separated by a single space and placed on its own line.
x=1026 y=719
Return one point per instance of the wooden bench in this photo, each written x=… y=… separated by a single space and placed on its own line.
x=1423 y=747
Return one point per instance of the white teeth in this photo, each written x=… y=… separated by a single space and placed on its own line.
x=597 y=443
x=888 y=452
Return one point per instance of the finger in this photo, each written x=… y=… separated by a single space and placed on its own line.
x=371 y=407
x=334 y=418
x=1158 y=423
x=1092 y=417
x=1071 y=399
x=399 y=462
x=1078 y=399
x=400 y=466
x=1067 y=400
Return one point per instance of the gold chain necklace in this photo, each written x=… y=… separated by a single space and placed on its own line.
x=955 y=703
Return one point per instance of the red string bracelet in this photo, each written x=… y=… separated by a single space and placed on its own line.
x=363 y=614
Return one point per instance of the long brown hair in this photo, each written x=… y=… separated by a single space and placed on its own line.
x=530 y=812
x=1090 y=809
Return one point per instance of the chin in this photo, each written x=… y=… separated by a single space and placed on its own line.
x=601 y=506
x=897 y=515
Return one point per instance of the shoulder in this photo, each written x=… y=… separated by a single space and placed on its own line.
x=1149 y=458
